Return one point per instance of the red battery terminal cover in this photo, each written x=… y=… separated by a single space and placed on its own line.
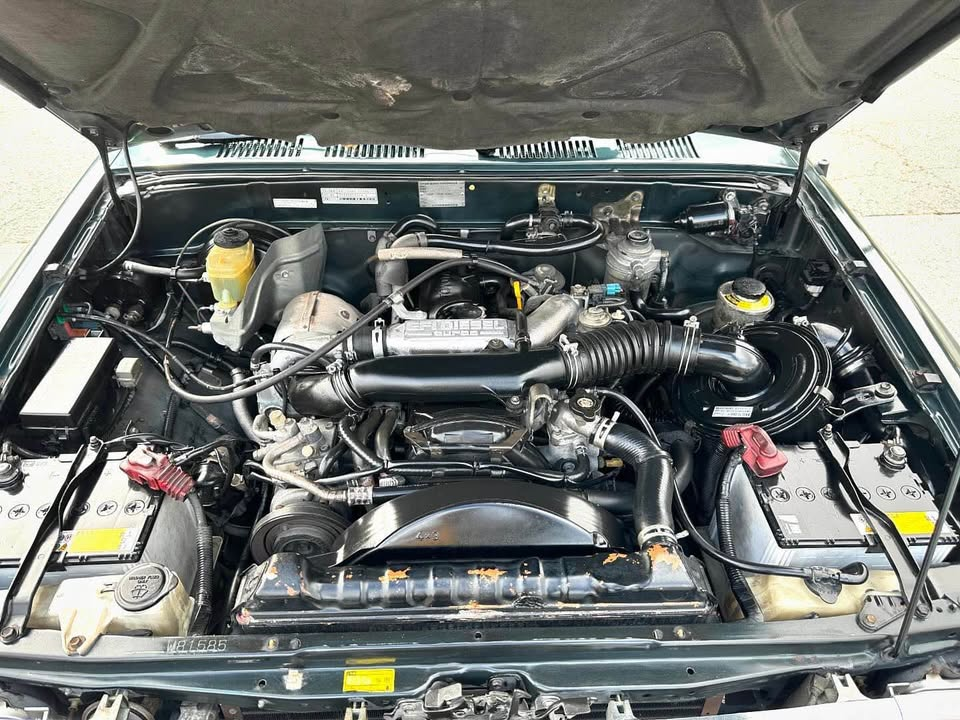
x=155 y=471
x=760 y=454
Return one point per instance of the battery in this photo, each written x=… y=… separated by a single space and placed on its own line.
x=71 y=392
x=802 y=519
x=115 y=525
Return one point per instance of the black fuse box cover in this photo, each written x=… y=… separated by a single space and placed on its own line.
x=68 y=393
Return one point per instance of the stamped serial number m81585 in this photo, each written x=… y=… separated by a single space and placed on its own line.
x=196 y=646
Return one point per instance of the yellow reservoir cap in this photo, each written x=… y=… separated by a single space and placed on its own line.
x=230 y=265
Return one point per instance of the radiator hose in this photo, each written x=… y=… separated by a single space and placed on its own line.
x=653 y=470
x=593 y=358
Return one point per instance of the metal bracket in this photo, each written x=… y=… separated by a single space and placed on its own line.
x=54 y=273
x=880 y=609
x=111 y=707
x=883 y=395
x=356 y=711
x=847 y=690
x=621 y=215
x=926 y=379
x=825 y=584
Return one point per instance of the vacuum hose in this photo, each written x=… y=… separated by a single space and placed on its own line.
x=593 y=358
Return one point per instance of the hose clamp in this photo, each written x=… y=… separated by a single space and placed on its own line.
x=604 y=426
x=376 y=338
x=341 y=386
x=570 y=351
x=651 y=532
x=691 y=337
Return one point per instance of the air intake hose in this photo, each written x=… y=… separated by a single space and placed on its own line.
x=590 y=359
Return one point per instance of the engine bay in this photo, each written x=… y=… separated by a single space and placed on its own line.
x=640 y=411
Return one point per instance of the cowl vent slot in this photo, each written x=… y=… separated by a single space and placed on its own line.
x=554 y=150
x=676 y=149
x=373 y=152
x=261 y=148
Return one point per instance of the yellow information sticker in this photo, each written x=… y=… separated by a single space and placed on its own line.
x=97 y=540
x=369 y=680
x=914 y=523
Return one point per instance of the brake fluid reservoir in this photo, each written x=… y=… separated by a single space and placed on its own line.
x=230 y=265
x=741 y=302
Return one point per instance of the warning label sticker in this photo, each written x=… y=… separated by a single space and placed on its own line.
x=369 y=680
x=441 y=193
x=349 y=196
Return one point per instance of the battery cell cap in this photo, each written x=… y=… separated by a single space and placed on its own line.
x=760 y=454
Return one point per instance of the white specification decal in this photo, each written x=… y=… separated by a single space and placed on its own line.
x=733 y=411
x=349 y=196
x=295 y=203
x=441 y=193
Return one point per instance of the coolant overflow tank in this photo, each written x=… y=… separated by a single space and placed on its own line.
x=230 y=265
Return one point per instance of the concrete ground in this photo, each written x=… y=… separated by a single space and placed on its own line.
x=896 y=163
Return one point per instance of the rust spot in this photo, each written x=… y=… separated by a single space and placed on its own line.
x=487 y=573
x=662 y=554
x=272 y=572
x=473 y=604
x=395 y=575
x=613 y=557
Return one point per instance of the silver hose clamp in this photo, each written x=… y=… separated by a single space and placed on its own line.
x=604 y=426
x=691 y=334
x=651 y=532
x=376 y=337
x=571 y=350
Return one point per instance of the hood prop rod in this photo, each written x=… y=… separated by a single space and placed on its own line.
x=914 y=600
x=814 y=131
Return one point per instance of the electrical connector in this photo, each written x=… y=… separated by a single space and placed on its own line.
x=760 y=454
x=156 y=471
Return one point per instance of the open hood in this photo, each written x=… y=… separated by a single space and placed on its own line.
x=457 y=74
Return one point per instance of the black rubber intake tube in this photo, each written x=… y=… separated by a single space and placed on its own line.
x=653 y=470
x=594 y=358
x=649 y=347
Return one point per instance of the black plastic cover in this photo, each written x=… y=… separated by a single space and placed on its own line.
x=480 y=518
x=69 y=391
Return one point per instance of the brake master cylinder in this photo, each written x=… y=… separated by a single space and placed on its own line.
x=230 y=265
x=741 y=302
